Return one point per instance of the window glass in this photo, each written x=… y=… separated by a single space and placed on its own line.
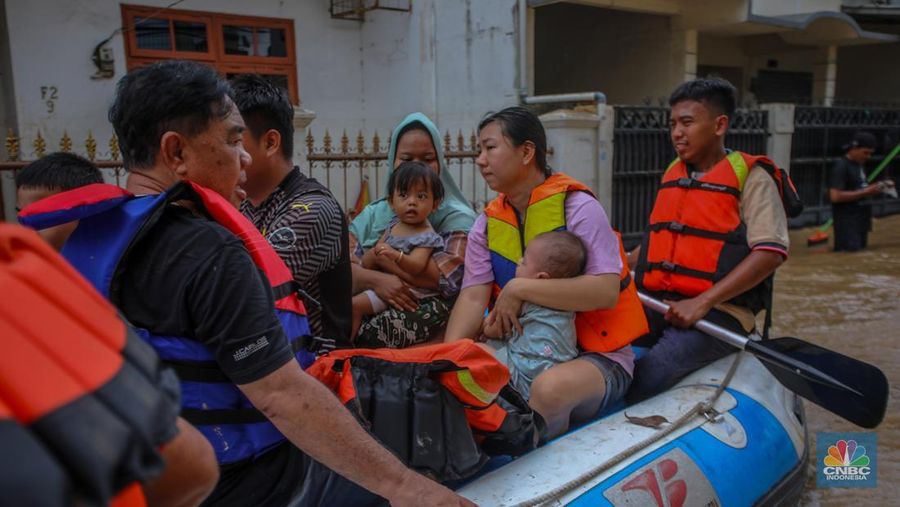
x=271 y=42
x=152 y=33
x=238 y=40
x=190 y=36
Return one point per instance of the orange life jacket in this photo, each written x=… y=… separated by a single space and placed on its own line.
x=598 y=330
x=77 y=382
x=696 y=236
x=436 y=393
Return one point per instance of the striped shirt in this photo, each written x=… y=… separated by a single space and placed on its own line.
x=305 y=230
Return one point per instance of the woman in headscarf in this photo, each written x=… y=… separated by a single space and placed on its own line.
x=408 y=320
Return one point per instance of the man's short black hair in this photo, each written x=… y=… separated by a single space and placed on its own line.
x=58 y=171
x=410 y=173
x=173 y=95
x=716 y=93
x=265 y=106
x=565 y=255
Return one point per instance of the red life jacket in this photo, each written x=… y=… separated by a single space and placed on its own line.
x=602 y=330
x=81 y=389
x=696 y=236
x=439 y=394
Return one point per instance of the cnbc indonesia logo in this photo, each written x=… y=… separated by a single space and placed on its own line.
x=846 y=461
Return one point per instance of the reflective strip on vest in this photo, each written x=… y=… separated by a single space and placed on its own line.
x=598 y=330
x=471 y=386
x=548 y=214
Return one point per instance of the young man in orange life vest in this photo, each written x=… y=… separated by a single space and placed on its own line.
x=717 y=233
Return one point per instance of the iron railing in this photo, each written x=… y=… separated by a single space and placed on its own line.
x=107 y=161
x=642 y=150
x=820 y=133
x=344 y=169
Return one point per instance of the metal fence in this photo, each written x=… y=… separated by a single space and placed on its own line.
x=819 y=135
x=341 y=167
x=345 y=168
x=642 y=150
x=19 y=155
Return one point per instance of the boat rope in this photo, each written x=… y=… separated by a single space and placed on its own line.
x=703 y=408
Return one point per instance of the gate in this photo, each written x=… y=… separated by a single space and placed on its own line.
x=819 y=134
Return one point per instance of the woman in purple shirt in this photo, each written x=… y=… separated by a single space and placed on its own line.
x=513 y=163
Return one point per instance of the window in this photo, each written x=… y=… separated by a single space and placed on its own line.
x=232 y=44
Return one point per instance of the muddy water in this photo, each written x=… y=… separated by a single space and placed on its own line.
x=849 y=303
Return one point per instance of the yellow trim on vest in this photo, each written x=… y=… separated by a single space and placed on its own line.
x=739 y=165
x=468 y=382
x=673 y=164
x=548 y=214
x=503 y=239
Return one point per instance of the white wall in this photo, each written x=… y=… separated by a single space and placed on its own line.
x=788 y=7
x=870 y=73
x=454 y=59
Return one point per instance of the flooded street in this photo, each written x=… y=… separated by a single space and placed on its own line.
x=849 y=303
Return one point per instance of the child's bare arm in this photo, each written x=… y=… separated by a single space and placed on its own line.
x=416 y=261
x=392 y=261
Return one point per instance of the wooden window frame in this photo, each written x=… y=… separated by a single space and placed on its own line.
x=284 y=24
x=215 y=56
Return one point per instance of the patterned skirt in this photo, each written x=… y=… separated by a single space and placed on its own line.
x=398 y=329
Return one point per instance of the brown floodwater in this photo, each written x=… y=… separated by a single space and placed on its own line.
x=849 y=303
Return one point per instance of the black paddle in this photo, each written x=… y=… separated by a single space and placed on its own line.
x=852 y=389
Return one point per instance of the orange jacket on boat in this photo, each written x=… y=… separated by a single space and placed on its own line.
x=598 y=330
x=696 y=236
x=78 y=387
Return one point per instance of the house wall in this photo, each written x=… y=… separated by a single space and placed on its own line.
x=869 y=73
x=628 y=56
x=788 y=7
x=452 y=59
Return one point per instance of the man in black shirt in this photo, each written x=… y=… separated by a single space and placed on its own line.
x=189 y=277
x=298 y=216
x=848 y=190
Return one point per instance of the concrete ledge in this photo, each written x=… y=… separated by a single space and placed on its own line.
x=303 y=117
x=567 y=118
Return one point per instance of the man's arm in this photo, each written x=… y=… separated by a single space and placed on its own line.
x=633 y=257
x=767 y=235
x=755 y=268
x=191 y=471
x=312 y=418
x=842 y=196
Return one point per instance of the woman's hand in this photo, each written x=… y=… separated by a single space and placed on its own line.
x=506 y=310
x=370 y=259
x=491 y=331
x=392 y=290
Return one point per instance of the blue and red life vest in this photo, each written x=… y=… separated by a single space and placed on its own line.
x=112 y=220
